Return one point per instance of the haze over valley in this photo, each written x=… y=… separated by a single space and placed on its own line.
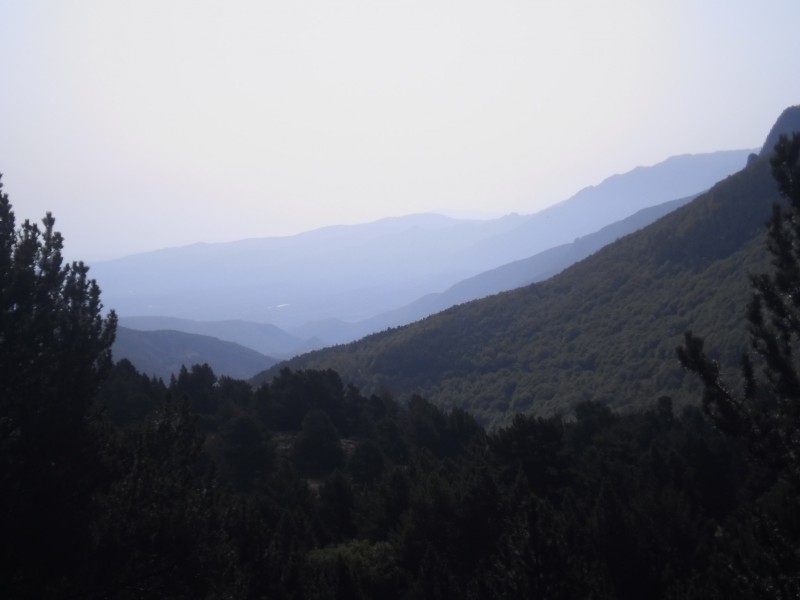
x=337 y=284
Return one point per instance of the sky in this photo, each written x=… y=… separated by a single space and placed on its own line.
x=148 y=124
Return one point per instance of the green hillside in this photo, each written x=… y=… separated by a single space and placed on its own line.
x=605 y=329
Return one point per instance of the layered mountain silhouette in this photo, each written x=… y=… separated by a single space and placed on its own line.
x=507 y=277
x=604 y=329
x=346 y=272
x=614 y=199
x=338 y=283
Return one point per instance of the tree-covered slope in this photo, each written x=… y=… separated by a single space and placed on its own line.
x=605 y=329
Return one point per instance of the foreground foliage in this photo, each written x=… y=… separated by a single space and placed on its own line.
x=217 y=500
x=220 y=501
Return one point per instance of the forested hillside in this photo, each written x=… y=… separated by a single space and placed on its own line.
x=603 y=330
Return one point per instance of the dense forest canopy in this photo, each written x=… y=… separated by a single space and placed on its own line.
x=114 y=484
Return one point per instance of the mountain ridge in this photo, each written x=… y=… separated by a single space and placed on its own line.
x=504 y=278
x=618 y=313
x=351 y=274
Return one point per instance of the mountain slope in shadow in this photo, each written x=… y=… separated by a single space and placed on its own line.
x=604 y=329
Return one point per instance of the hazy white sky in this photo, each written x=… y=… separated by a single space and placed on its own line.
x=143 y=124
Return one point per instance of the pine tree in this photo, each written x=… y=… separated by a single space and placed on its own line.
x=55 y=349
x=767 y=412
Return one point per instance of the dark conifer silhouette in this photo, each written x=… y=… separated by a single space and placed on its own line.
x=767 y=412
x=56 y=349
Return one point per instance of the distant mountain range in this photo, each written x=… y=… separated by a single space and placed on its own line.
x=347 y=272
x=614 y=199
x=339 y=283
x=276 y=342
x=605 y=329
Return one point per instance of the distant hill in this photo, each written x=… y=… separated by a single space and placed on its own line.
x=161 y=353
x=261 y=337
x=352 y=273
x=614 y=199
x=346 y=272
x=605 y=329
